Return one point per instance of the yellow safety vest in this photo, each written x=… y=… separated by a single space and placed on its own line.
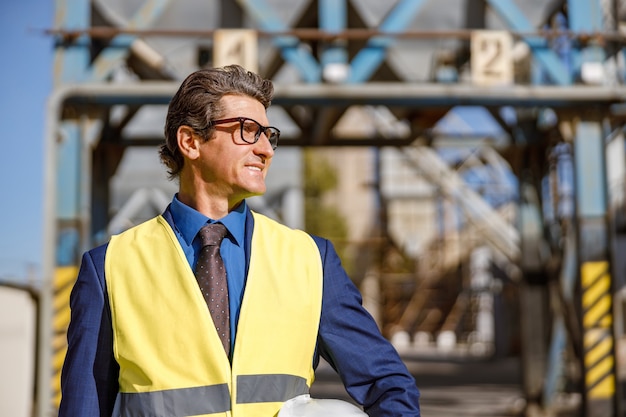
x=171 y=360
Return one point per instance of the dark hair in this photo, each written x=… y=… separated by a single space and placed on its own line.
x=197 y=101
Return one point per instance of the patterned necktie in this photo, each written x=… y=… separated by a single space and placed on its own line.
x=211 y=276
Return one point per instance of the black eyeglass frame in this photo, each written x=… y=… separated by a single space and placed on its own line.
x=274 y=131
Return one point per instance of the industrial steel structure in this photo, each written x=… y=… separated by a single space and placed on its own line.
x=549 y=74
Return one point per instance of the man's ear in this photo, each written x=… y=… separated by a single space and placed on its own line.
x=188 y=142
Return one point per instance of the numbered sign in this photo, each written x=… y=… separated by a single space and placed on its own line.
x=491 y=57
x=235 y=46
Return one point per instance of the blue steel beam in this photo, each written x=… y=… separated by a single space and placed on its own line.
x=71 y=61
x=68 y=171
x=585 y=16
x=590 y=169
x=119 y=46
x=290 y=47
x=333 y=15
x=373 y=54
x=388 y=94
x=516 y=21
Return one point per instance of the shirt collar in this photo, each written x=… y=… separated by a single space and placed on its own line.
x=189 y=221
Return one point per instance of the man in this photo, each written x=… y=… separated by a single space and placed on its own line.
x=143 y=340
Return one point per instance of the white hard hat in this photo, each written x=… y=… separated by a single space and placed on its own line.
x=305 y=406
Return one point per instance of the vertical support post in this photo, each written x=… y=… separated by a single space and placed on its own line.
x=104 y=162
x=70 y=65
x=595 y=275
x=293 y=207
x=561 y=294
x=475 y=17
x=616 y=178
x=585 y=16
x=71 y=61
x=333 y=15
x=231 y=15
x=533 y=328
x=481 y=284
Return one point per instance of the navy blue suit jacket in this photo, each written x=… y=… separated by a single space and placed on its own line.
x=348 y=339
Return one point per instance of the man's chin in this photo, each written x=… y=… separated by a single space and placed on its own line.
x=255 y=192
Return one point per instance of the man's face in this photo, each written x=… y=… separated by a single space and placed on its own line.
x=232 y=168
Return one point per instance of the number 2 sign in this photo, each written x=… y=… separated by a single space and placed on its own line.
x=491 y=58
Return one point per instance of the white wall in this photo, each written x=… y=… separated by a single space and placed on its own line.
x=17 y=352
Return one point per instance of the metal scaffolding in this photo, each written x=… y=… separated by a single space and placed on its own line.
x=556 y=66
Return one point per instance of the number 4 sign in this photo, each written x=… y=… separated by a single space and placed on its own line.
x=235 y=46
x=491 y=58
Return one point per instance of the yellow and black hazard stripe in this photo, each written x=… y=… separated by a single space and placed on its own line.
x=597 y=320
x=64 y=279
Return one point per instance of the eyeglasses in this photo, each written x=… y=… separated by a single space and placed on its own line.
x=251 y=130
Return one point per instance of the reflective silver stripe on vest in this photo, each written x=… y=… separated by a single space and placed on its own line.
x=269 y=388
x=174 y=402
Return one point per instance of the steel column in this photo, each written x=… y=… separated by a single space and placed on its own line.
x=557 y=359
x=71 y=61
x=61 y=234
x=585 y=16
x=598 y=365
x=333 y=17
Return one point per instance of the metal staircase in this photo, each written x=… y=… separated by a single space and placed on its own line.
x=447 y=302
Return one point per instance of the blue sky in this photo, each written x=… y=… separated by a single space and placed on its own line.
x=25 y=84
